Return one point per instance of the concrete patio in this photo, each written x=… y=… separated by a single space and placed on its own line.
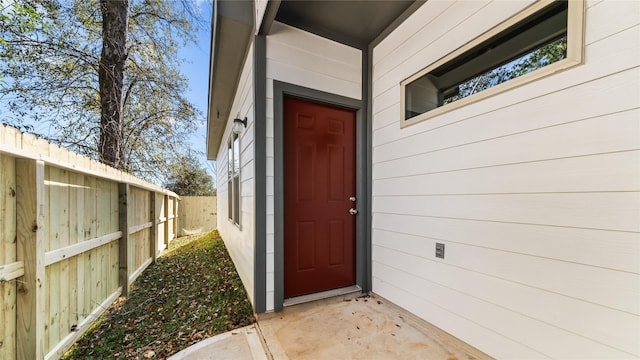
x=344 y=327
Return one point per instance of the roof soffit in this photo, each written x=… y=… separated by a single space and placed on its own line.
x=231 y=30
x=355 y=23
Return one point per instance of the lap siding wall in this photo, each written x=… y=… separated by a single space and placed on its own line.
x=239 y=240
x=535 y=192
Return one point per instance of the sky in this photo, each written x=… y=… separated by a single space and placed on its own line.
x=196 y=69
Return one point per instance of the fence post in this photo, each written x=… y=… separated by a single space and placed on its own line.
x=166 y=221
x=153 y=233
x=178 y=221
x=123 y=246
x=176 y=225
x=31 y=233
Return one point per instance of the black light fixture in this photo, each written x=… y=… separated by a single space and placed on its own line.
x=239 y=124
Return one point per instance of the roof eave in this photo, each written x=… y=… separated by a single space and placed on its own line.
x=231 y=32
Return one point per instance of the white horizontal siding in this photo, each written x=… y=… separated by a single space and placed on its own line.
x=611 y=133
x=602 y=85
x=240 y=240
x=530 y=333
x=612 y=210
x=301 y=58
x=621 y=248
x=395 y=285
x=305 y=59
x=535 y=192
x=571 y=174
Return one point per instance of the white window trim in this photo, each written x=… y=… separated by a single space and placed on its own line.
x=230 y=211
x=575 y=56
x=230 y=179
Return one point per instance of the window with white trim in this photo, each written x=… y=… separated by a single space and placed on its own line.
x=542 y=39
x=233 y=179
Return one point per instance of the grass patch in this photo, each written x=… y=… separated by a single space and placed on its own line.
x=191 y=293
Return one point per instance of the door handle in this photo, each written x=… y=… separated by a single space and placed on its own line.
x=353 y=211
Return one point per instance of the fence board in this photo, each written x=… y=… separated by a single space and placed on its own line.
x=31 y=233
x=74 y=238
x=11 y=271
x=91 y=279
x=59 y=225
x=113 y=198
x=153 y=231
x=63 y=230
x=197 y=215
x=160 y=219
x=123 y=246
x=103 y=254
x=170 y=214
x=52 y=272
x=113 y=271
x=83 y=326
x=8 y=257
x=90 y=231
x=55 y=256
x=176 y=205
x=64 y=294
x=104 y=272
x=134 y=275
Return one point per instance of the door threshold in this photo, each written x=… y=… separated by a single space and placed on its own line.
x=322 y=295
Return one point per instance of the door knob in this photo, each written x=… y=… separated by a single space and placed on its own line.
x=352 y=199
x=353 y=211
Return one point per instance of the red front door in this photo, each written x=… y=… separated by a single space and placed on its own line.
x=319 y=180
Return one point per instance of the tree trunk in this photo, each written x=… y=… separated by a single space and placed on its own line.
x=111 y=77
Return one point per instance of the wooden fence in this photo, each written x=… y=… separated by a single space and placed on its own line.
x=74 y=234
x=197 y=214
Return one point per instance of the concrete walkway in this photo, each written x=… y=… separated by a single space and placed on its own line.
x=243 y=343
x=346 y=327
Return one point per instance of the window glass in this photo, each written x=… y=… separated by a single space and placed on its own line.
x=230 y=180
x=538 y=40
x=230 y=161
x=236 y=200
x=230 y=198
x=236 y=154
x=536 y=59
x=233 y=180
